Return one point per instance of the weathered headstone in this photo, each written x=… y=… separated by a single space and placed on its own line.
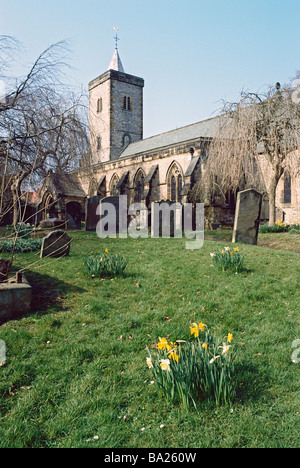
x=15 y=299
x=166 y=219
x=4 y=269
x=73 y=216
x=110 y=218
x=247 y=217
x=52 y=223
x=91 y=217
x=56 y=244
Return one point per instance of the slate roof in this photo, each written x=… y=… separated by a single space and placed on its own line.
x=67 y=184
x=205 y=129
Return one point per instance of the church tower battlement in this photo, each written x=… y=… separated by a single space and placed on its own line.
x=115 y=111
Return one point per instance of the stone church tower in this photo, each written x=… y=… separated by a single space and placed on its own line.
x=116 y=111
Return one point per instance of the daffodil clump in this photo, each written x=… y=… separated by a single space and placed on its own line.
x=189 y=371
x=280 y=226
x=228 y=259
x=105 y=264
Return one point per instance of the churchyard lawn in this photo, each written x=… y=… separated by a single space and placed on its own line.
x=76 y=372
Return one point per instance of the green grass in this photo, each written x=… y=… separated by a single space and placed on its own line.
x=76 y=366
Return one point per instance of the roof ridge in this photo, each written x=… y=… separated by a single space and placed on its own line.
x=177 y=129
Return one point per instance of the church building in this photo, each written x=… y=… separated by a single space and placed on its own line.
x=163 y=167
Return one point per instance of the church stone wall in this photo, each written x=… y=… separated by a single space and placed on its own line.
x=124 y=122
x=100 y=121
x=113 y=125
x=145 y=162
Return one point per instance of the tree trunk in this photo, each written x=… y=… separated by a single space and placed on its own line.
x=278 y=171
x=16 y=194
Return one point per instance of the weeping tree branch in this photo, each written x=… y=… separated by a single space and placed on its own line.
x=43 y=126
x=258 y=127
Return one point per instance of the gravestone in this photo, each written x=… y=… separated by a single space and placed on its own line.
x=73 y=216
x=56 y=244
x=15 y=299
x=114 y=218
x=166 y=219
x=247 y=217
x=52 y=223
x=111 y=209
x=91 y=217
x=4 y=269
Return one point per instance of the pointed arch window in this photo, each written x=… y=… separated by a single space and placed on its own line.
x=173 y=189
x=175 y=183
x=126 y=139
x=179 y=188
x=113 y=185
x=139 y=184
x=140 y=189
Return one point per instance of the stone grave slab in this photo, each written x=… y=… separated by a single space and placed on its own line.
x=247 y=217
x=56 y=244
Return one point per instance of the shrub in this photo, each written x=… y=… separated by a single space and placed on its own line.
x=200 y=369
x=105 y=264
x=277 y=227
x=228 y=260
x=280 y=227
x=22 y=245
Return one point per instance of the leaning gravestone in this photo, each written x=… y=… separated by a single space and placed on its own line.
x=52 y=223
x=56 y=244
x=247 y=217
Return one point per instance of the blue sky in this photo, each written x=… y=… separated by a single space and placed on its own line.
x=191 y=53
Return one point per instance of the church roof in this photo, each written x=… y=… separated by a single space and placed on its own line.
x=205 y=129
x=66 y=183
x=115 y=63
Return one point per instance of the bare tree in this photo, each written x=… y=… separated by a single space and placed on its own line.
x=260 y=129
x=41 y=125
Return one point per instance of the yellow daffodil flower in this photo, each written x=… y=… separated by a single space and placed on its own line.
x=195 y=330
x=229 y=337
x=173 y=355
x=163 y=343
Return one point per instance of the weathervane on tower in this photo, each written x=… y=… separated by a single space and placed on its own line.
x=116 y=36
